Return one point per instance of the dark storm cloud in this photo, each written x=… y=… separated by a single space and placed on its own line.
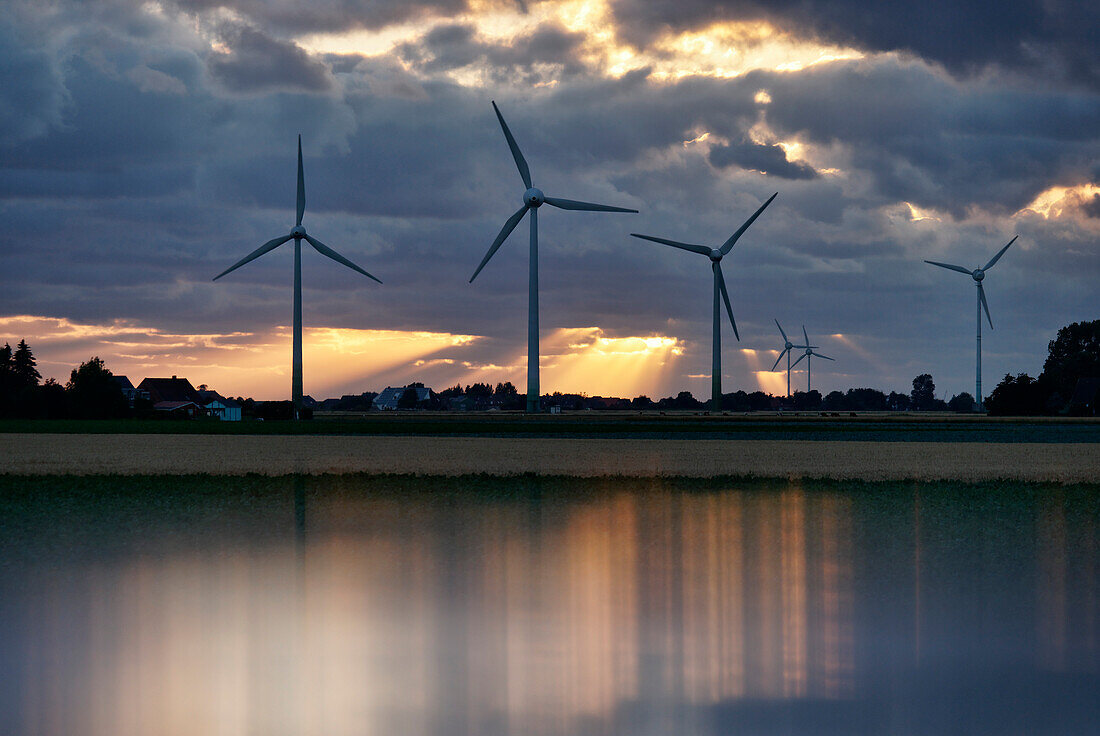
x=765 y=159
x=1092 y=206
x=32 y=94
x=293 y=16
x=1058 y=38
x=256 y=62
x=455 y=46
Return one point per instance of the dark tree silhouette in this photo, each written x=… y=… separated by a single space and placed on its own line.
x=963 y=402
x=1019 y=396
x=408 y=399
x=93 y=392
x=897 y=402
x=923 y=396
x=23 y=366
x=1072 y=355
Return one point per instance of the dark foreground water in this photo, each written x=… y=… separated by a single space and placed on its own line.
x=356 y=605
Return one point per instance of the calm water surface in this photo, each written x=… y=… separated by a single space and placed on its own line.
x=358 y=605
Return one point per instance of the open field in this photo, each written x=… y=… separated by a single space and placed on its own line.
x=867 y=427
x=163 y=454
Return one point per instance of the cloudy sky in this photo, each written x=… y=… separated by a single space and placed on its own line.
x=147 y=146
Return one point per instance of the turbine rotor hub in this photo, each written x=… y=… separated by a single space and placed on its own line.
x=978 y=274
x=298 y=232
x=534 y=197
x=715 y=255
x=788 y=345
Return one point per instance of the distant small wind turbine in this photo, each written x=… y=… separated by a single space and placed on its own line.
x=787 y=347
x=532 y=199
x=715 y=255
x=810 y=350
x=978 y=274
x=298 y=233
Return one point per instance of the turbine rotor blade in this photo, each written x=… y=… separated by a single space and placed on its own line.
x=781 y=332
x=819 y=355
x=781 y=354
x=268 y=246
x=301 y=184
x=505 y=231
x=726 y=297
x=985 y=305
x=571 y=204
x=521 y=162
x=326 y=251
x=741 y=230
x=805 y=336
x=997 y=257
x=960 y=269
x=702 y=249
x=799 y=360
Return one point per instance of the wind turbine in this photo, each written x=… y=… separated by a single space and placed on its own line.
x=298 y=233
x=787 y=347
x=978 y=274
x=810 y=351
x=532 y=199
x=715 y=255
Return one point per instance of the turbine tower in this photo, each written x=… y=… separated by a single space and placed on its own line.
x=532 y=199
x=715 y=255
x=298 y=233
x=810 y=351
x=978 y=274
x=787 y=347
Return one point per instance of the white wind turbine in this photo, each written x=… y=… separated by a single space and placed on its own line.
x=978 y=274
x=788 y=346
x=298 y=233
x=810 y=351
x=532 y=199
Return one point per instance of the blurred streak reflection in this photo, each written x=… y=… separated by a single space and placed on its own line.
x=347 y=606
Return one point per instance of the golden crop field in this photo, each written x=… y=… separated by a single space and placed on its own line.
x=166 y=454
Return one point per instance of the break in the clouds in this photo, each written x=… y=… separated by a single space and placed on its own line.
x=1032 y=36
x=145 y=147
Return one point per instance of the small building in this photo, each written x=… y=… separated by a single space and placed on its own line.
x=461 y=403
x=391 y=397
x=177 y=408
x=170 y=389
x=130 y=391
x=219 y=407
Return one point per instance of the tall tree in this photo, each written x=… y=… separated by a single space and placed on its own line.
x=923 y=396
x=1073 y=354
x=94 y=393
x=24 y=365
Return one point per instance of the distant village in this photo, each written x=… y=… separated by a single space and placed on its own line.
x=1068 y=385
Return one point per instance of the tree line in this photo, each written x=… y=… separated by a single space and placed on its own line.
x=1073 y=361
x=90 y=393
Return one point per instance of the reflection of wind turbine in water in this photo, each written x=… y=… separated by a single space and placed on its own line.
x=715 y=255
x=787 y=347
x=807 y=355
x=298 y=233
x=532 y=199
x=978 y=274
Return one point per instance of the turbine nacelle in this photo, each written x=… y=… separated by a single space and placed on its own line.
x=715 y=255
x=534 y=197
x=978 y=274
x=298 y=232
